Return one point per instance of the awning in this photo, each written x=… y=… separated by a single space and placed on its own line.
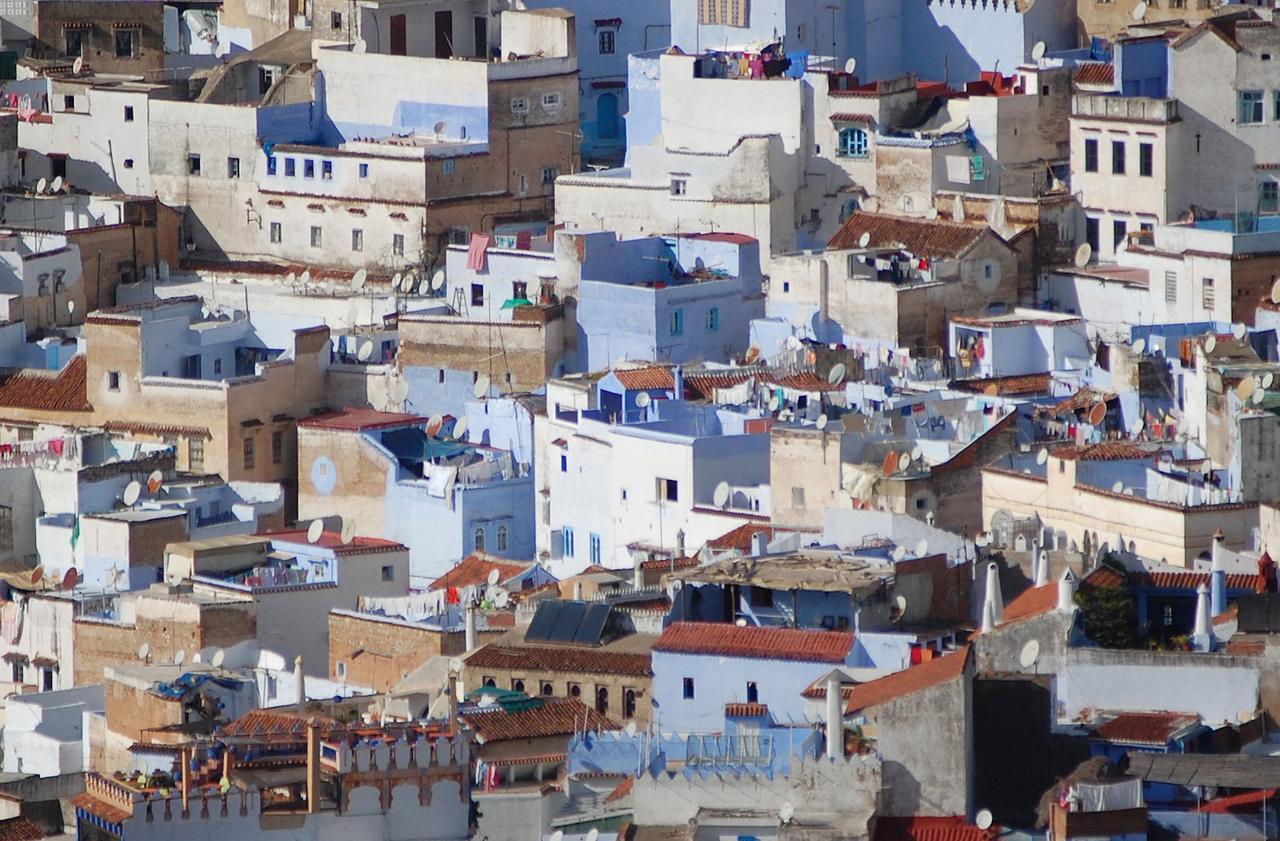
x=15 y=657
x=127 y=24
x=608 y=22
x=77 y=24
x=45 y=663
x=512 y=303
x=853 y=118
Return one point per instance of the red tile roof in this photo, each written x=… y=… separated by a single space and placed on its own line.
x=804 y=381
x=646 y=379
x=922 y=237
x=853 y=118
x=355 y=420
x=746 y=710
x=45 y=391
x=258 y=724
x=333 y=540
x=624 y=788
x=1012 y=386
x=475 y=568
x=913 y=679
x=1106 y=451
x=538 y=658
x=1035 y=601
x=1094 y=73
x=156 y=429
x=740 y=537
x=20 y=829
x=556 y=717
x=697 y=384
x=667 y=563
x=1154 y=729
x=724 y=640
x=1189 y=580
x=929 y=829
x=100 y=808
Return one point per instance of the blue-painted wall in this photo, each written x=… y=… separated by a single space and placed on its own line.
x=1142 y=68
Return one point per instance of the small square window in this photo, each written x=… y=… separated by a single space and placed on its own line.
x=551 y=100
x=308 y=168
x=364 y=170
x=388 y=573
x=357 y=240
x=397 y=245
x=688 y=689
x=125 y=39
x=128 y=113
x=679 y=186
x=520 y=105
x=549 y=175
x=477 y=294
x=128 y=163
x=276 y=232
x=326 y=170
x=233 y=167
x=248 y=453
x=113 y=380
x=290 y=167
x=448 y=167
x=608 y=39
x=68 y=103
x=193 y=164
x=335 y=20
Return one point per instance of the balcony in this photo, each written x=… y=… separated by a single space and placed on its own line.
x=1136 y=109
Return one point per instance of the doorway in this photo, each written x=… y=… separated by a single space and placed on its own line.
x=399 y=40
x=444 y=34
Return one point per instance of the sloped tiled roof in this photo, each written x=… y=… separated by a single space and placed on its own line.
x=803 y=381
x=740 y=538
x=560 y=659
x=47 y=392
x=724 y=640
x=1094 y=73
x=1011 y=386
x=646 y=379
x=100 y=808
x=1106 y=451
x=919 y=828
x=556 y=717
x=913 y=679
x=475 y=569
x=1032 y=602
x=1150 y=728
x=354 y=420
x=20 y=829
x=922 y=237
x=333 y=540
x=259 y=724
x=746 y=710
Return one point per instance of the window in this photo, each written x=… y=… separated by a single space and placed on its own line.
x=723 y=12
x=68 y=102
x=1171 y=287
x=275 y=231
x=46 y=680
x=326 y=170
x=1090 y=155
x=551 y=100
x=517 y=684
x=1146 y=160
x=753 y=692
x=388 y=573
x=233 y=167
x=607 y=41
x=125 y=42
x=217 y=366
x=568 y=542
x=193 y=164
x=113 y=381
x=477 y=295
x=42 y=284
x=713 y=319
x=1275 y=106
x=1118 y=230
x=522 y=184
x=1269 y=196
x=16 y=671
x=677 y=322
x=317 y=236
x=195 y=455
x=594 y=547
x=489 y=682
x=797 y=496
x=520 y=289
x=502 y=538
x=364 y=171
x=547 y=690
x=271 y=164
x=1206 y=293
x=853 y=143
x=575 y=691
x=449 y=167
x=128 y=163
x=75 y=42
x=357 y=239
x=1250 y=109
x=549 y=175
x=128 y=113
x=629 y=703
x=308 y=168
x=477 y=538
x=290 y=167
x=248 y=454
x=335 y=20
x=564 y=463
x=397 y=245
x=277 y=447
x=520 y=105
x=1117 y=157
x=266 y=78
x=679 y=186
x=668 y=490
x=688 y=689
x=6 y=528
x=1091 y=233
x=602 y=700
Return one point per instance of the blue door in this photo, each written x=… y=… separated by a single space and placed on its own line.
x=607 y=116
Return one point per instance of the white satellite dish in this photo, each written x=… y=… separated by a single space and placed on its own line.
x=77 y=66
x=1030 y=653
x=822 y=422
x=643 y=399
x=131 y=493
x=1210 y=342
x=71 y=307
x=348 y=532
x=899 y=552
x=984 y=819
x=434 y=423
x=56 y=185
x=1139 y=345
x=1267 y=379
x=315 y=531
x=793 y=343
x=42 y=185
x=291 y=278
x=1083 y=253
x=865 y=239
x=400 y=391
x=631 y=728
x=455 y=664
x=219 y=657
x=395 y=280
x=1118 y=487
x=1258 y=396
x=1037 y=52
x=436 y=281
x=1239 y=330
x=179 y=657
x=365 y=351
x=851 y=65
x=1244 y=390
x=786 y=812
x=359 y=279
x=836 y=375
x=904 y=462
x=922 y=548
x=460 y=429
x=774 y=403
x=900 y=604
x=144 y=651
x=1042 y=456
x=493 y=577
x=481 y=387
x=306 y=277
x=1275 y=291
x=721 y=495
x=558 y=835
x=593 y=834
x=1140 y=11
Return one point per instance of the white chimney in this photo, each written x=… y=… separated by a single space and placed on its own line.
x=759 y=544
x=1067 y=592
x=835 y=718
x=1202 y=637
x=988 y=617
x=1042 y=567
x=577 y=591
x=993 y=596
x=300 y=690
x=469 y=635
x=1215 y=549
x=679 y=543
x=637 y=575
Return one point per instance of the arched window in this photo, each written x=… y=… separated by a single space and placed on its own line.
x=546 y=688
x=602 y=700
x=629 y=704
x=517 y=685
x=502 y=538
x=853 y=143
x=479 y=539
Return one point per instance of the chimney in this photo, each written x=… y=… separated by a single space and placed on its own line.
x=300 y=690
x=678 y=388
x=1215 y=549
x=759 y=544
x=988 y=617
x=1217 y=592
x=577 y=590
x=1202 y=636
x=453 y=701
x=313 y=769
x=835 y=718
x=1042 y=567
x=993 y=597
x=637 y=575
x=1067 y=592
x=679 y=543
x=469 y=634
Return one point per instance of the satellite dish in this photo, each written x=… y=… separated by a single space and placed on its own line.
x=865 y=239
x=218 y=658
x=315 y=531
x=851 y=65
x=455 y=664
x=291 y=278
x=348 y=533
x=1037 y=52
x=1137 y=425
x=1083 y=253
x=359 y=279
x=1245 y=389
x=1098 y=414
x=1275 y=292
x=144 y=651
x=793 y=343
x=1267 y=379
x=131 y=493
x=1139 y=346
x=501 y=598
x=77 y=66
x=179 y=657
x=306 y=277
x=481 y=387
x=439 y=127
x=1210 y=342
x=1118 y=487
x=900 y=604
x=71 y=307
x=1042 y=456
x=631 y=728
x=786 y=812
x=558 y=835
x=56 y=185
x=890 y=464
x=643 y=399
x=493 y=577
x=984 y=819
x=400 y=391
x=365 y=351
x=593 y=834
x=154 y=481
x=433 y=424
x=774 y=403
x=70 y=580
x=1140 y=11
x=42 y=185
x=899 y=552
x=836 y=375
x=1030 y=653
x=721 y=495
x=395 y=280
x=822 y=422
x=1258 y=396
x=904 y=462
x=922 y=548
x=460 y=429
x=1238 y=330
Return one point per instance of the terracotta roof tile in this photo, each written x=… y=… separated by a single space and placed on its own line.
x=1094 y=73
x=646 y=379
x=20 y=829
x=724 y=640
x=258 y=724
x=100 y=808
x=667 y=563
x=64 y=391
x=1013 y=386
x=560 y=659
x=1154 y=728
x=475 y=568
x=156 y=429
x=1106 y=451
x=624 y=788
x=740 y=537
x=804 y=381
x=845 y=117
x=746 y=710
x=1246 y=648
x=913 y=679
x=922 y=237
x=556 y=717
x=354 y=420
x=1032 y=602
x=930 y=829
x=1190 y=580
x=333 y=540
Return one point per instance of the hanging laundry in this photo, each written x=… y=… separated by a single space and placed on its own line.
x=56 y=445
x=477 y=258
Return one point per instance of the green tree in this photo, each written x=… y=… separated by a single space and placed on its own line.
x=1110 y=616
